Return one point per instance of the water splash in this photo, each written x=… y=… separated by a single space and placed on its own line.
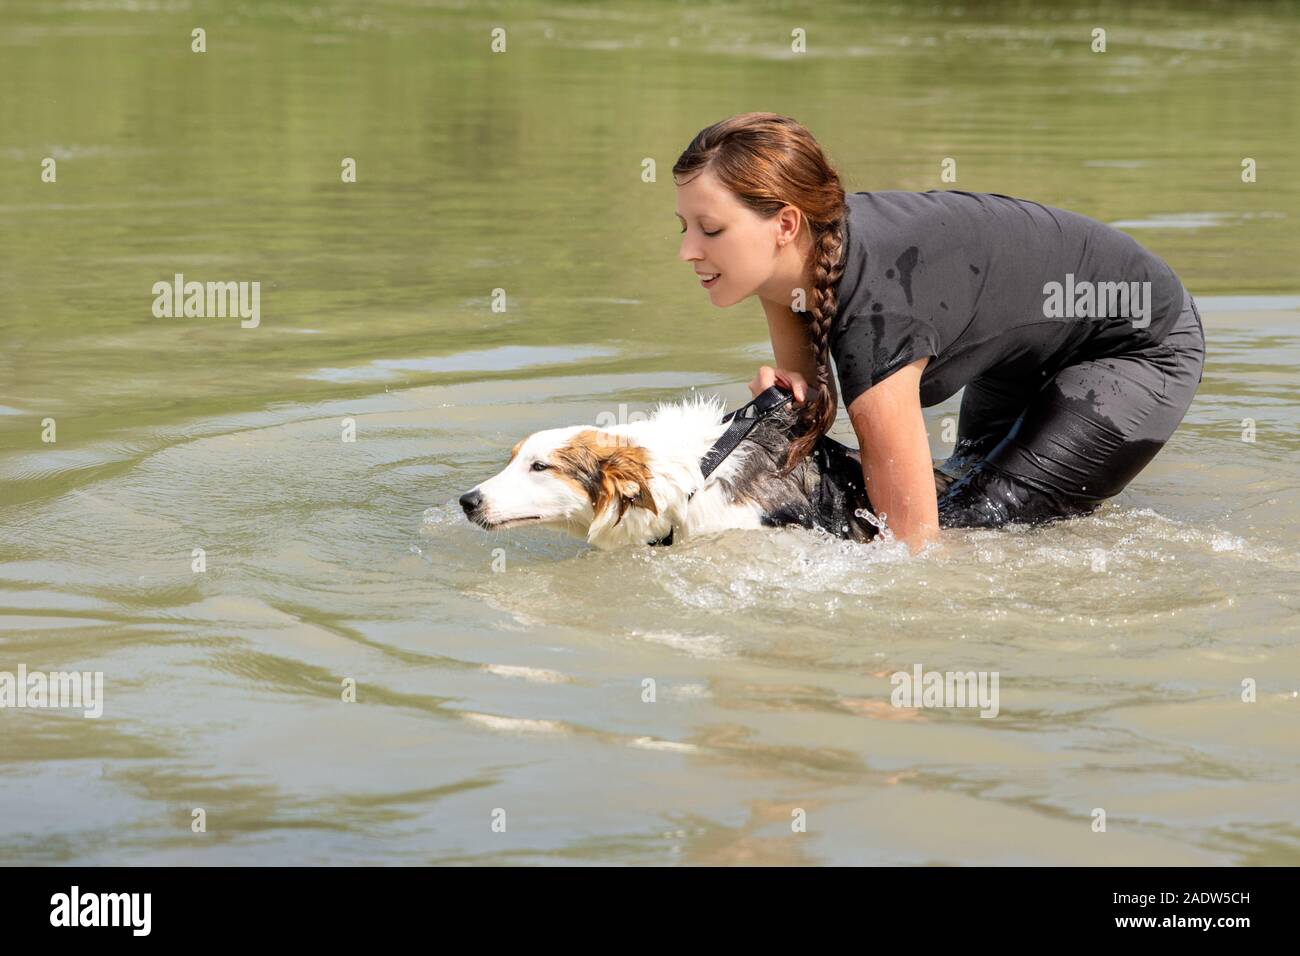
x=877 y=522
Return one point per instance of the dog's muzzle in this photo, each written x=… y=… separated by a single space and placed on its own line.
x=470 y=502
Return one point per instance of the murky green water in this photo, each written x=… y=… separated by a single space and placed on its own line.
x=1121 y=640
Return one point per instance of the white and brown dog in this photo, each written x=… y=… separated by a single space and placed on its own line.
x=642 y=482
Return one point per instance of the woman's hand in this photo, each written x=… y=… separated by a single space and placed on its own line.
x=768 y=376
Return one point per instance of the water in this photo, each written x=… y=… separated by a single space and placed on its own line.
x=508 y=673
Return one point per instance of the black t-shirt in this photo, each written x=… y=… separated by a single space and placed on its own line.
x=967 y=278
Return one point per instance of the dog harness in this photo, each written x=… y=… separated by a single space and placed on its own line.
x=742 y=420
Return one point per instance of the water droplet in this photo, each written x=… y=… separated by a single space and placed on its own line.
x=877 y=522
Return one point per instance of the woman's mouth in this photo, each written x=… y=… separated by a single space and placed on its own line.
x=709 y=279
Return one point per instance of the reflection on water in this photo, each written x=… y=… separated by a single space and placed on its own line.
x=1192 y=220
x=202 y=532
x=1250 y=303
x=503 y=359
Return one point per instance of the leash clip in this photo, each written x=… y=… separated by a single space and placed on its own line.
x=762 y=405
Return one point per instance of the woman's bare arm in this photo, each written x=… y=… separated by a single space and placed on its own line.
x=790 y=343
x=896 y=463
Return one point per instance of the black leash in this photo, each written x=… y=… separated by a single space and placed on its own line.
x=743 y=420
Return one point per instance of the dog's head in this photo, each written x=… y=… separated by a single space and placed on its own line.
x=584 y=480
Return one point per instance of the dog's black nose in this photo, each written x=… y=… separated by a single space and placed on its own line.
x=471 y=500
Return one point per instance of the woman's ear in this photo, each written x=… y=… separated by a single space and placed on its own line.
x=789 y=222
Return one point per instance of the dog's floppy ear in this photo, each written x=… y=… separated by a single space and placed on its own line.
x=614 y=473
x=627 y=476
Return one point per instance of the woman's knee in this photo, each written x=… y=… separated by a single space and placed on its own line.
x=988 y=497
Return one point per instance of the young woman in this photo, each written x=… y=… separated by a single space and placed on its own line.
x=1079 y=350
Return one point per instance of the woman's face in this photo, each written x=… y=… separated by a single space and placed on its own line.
x=723 y=236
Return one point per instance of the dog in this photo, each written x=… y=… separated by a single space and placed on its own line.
x=642 y=483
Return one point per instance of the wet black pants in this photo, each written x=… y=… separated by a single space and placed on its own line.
x=1061 y=450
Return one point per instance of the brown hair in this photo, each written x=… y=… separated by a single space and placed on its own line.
x=771 y=161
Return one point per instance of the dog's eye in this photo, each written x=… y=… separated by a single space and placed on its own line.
x=540 y=466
